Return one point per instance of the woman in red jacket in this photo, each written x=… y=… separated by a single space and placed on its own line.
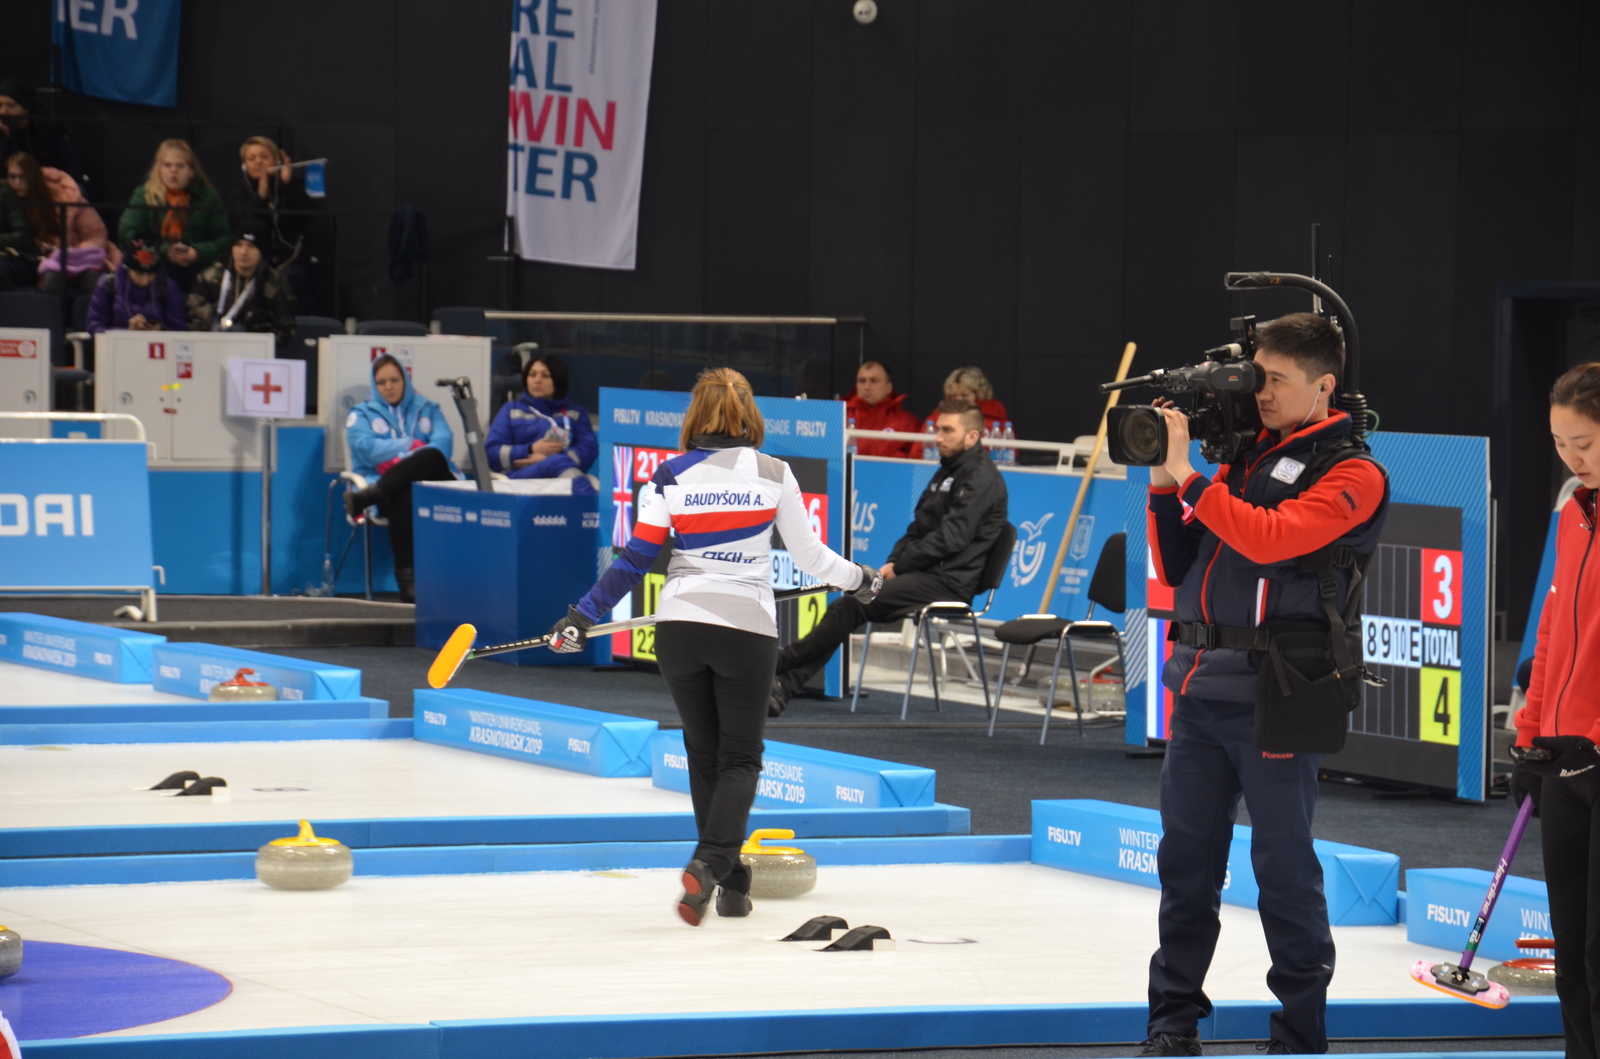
x=1562 y=717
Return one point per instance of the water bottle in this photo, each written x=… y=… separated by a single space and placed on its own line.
x=1011 y=453
x=995 y=452
x=851 y=448
x=930 y=451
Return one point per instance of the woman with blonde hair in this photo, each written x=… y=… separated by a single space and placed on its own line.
x=717 y=634
x=971 y=384
x=178 y=201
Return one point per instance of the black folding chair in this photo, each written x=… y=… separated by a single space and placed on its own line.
x=1108 y=588
x=994 y=569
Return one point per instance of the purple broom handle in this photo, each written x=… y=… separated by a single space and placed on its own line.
x=1507 y=855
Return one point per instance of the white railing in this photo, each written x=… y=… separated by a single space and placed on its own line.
x=1074 y=450
x=85 y=416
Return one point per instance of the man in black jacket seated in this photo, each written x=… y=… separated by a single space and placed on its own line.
x=940 y=557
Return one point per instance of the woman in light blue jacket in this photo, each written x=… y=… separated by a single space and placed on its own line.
x=397 y=437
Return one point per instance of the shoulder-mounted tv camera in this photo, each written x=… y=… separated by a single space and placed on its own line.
x=1218 y=394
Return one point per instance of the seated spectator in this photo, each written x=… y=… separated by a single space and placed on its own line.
x=873 y=405
x=139 y=296
x=264 y=189
x=971 y=384
x=541 y=434
x=940 y=557
x=23 y=129
x=177 y=200
x=19 y=252
x=397 y=437
x=243 y=294
x=42 y=190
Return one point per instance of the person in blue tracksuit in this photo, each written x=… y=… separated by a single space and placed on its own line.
x=397 y=437
x=1232 y=547
x=541 y=434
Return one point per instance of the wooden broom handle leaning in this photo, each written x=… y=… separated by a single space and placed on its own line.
x=1083 y=486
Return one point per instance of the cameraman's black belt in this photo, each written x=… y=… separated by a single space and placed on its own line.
x=1197 y=634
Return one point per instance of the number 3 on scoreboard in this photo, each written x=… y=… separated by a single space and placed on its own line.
x=1440 y=706
x=1441 y=587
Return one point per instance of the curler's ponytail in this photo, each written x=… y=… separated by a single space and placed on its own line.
x=722 y=403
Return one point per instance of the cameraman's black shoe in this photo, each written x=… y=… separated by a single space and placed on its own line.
x=1276 y=1047
x=1170 y=1044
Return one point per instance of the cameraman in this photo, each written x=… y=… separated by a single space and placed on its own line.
x=1232 y=547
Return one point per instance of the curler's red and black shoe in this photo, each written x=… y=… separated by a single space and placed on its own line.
x=698 y=887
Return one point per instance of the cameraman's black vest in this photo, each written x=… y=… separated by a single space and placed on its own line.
x=1225 y=589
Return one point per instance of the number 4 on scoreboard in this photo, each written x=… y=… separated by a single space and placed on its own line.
x=1440 y=706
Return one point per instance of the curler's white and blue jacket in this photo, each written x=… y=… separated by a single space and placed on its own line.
x=721 y=501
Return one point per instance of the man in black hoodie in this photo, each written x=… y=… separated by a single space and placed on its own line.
x=940 y=557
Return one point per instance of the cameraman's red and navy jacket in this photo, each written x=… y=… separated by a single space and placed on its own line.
x=1231 y=546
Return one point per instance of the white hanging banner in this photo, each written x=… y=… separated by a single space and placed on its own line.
x=580 y=89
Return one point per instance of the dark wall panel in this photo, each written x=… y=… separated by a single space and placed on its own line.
x=756 y=221
x=1524 y=63
x=1179 y=244
x=1075 y=65
x=1405 y=65
x=1183 y=65
x=1294 y=65
x=1074 y=188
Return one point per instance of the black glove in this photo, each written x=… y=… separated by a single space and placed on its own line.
x=871 y=584
x=1530 y=766
x=1577 y=761
x=568 y=635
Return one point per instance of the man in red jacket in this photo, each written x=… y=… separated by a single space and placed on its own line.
x=875 y=406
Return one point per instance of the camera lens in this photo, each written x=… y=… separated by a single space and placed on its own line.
x=1142 y=431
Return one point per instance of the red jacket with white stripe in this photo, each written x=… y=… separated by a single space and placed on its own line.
x=1564 y=692
x=1231 y=546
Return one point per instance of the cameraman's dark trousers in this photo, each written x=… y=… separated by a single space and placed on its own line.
x=1212 y=761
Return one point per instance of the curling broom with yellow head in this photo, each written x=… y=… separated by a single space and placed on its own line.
x=458 y=648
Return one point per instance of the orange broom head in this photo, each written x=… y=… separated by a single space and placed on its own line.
x=451 y=655
x=1496 y=996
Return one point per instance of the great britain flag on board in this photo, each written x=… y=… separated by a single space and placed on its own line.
x=580 y=87
x=621 y=495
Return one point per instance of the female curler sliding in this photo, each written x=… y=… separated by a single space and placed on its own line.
x=717 y=633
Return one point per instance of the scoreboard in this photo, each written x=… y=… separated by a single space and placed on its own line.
x=1409 y=729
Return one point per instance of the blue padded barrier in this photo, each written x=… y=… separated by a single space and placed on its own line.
x=192 y=668
x=1119 y=842
x=885 y=1028
x=472 y=830
x=187 y=712
x=1443 y=904
x=802 y=775
x=203 y=731
x=309 y=1042
x=473 y=860
x=121 y=656
x=546 y=733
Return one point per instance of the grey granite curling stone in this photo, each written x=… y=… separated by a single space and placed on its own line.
x=304 y=862
x=242 y=689
x=10 y=952
x=1526 y=977
x=777 y=871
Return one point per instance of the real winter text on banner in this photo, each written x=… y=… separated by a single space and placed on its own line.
x=580 y=87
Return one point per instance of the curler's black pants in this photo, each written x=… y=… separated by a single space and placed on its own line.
x=719 y=679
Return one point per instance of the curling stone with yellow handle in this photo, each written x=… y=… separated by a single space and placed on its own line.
x=777 y=871
x=242 y=689
x=304 y=862
x=10 y=952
